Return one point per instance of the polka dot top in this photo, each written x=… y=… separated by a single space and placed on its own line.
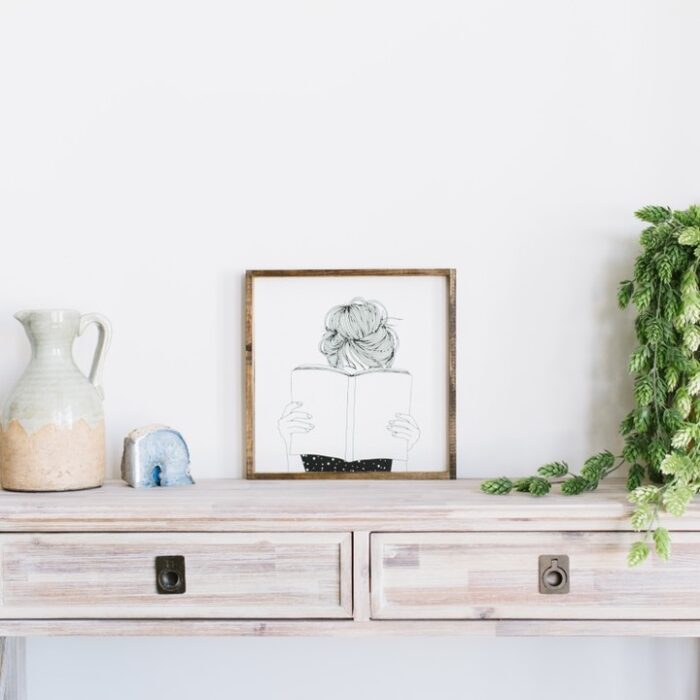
x=319 y=463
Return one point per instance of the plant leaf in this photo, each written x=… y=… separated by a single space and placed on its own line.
x=662 y=543
x=653 y=214
x=644 y=495
x=689 y=236
x=539 y=486
x=553 y=470
x=497 y=487
x=639 y=551
x=676 y=498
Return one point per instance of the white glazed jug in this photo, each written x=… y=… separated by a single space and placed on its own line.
x=53 y=436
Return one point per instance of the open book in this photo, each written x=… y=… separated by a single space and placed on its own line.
x=350 y=411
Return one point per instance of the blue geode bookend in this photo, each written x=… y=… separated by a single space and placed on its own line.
x=156 y=455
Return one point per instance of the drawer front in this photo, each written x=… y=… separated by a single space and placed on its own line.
x=285 y=575
x=497 y=575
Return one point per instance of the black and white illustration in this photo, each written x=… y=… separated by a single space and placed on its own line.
x=354 y=413
x=351 y=375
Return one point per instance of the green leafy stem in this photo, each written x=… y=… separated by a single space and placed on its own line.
x=662 y=432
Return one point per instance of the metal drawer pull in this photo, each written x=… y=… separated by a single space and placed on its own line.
x=554 y=573
x=170 y=574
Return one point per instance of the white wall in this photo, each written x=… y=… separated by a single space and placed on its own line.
x=150 y=151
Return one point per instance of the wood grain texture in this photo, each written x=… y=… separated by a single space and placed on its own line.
x=274 y=575
x=249 y=378
x=495 y=575
x=450 y=276
x=232 y=505
x=452 y=372
x=12 y=668
x=357 y=272
x=361 y=575
x=278 y=558
x=347 y=628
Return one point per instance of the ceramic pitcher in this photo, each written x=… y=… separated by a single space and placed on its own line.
x=53 y=436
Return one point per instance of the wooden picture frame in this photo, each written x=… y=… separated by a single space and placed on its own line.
x=446 y=276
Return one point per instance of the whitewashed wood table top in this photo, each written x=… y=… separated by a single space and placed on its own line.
x=469 y=580
x=230 y=505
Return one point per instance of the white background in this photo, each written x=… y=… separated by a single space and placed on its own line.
x=288 y=314
x=150 y=151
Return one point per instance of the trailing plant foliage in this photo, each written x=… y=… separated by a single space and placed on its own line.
x=662 y=432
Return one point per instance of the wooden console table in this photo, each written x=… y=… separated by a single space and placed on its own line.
x=229 y=557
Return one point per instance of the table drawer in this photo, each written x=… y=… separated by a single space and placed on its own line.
x=497 y=575
x=281 y=575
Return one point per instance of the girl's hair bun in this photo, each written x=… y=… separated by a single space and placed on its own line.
x=358 y=336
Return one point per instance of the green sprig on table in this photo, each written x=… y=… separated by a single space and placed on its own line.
x=662 y=433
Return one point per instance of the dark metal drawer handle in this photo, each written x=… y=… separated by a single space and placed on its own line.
x=170 y=574
x=554 y=573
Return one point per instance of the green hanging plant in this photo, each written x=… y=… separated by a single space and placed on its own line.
x=662 y=432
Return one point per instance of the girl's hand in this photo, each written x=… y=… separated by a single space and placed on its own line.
x=405 y=428
x=293 y=422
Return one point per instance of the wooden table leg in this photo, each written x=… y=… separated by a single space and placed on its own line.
x=12 y=677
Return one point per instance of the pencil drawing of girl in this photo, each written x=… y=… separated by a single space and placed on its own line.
x=357 y=336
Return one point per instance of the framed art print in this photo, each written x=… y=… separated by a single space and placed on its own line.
x=350 y=374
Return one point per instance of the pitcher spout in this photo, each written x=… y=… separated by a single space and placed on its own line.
x=56 y=328
x=22 y=316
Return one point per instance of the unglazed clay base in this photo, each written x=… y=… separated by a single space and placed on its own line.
x=52 y=458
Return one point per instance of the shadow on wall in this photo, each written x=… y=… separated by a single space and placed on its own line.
x=612 y=385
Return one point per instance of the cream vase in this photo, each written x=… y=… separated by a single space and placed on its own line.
x=53 y=435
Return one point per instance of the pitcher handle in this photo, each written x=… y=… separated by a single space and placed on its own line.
x=104 y=338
